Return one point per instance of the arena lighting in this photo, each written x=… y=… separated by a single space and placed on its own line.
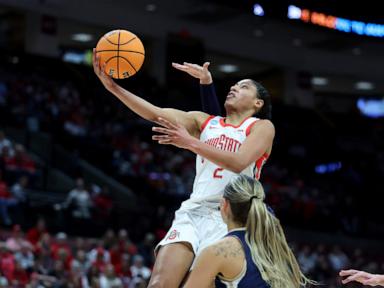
x=336 y=23
x=364 y=85
x=82 y=37
x=258 y=10
x=373 y=108
x=228 y=68
x=84 y=57
x=328 y=168
x=150 y=7
x=319 y=81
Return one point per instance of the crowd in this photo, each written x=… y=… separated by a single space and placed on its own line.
x=17 y=175
x=101 y=130
x=39 y=259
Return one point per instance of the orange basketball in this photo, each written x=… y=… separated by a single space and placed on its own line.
x=122 y=51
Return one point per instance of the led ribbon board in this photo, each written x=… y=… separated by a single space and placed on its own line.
x=336 y=23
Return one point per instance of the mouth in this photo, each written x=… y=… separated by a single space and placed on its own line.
x=230 y=95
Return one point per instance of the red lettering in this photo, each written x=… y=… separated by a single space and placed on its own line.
x=221 y=143
x=230 y=145
x=216 y=173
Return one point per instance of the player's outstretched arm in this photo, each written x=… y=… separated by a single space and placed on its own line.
x=209 y=101
x=190 y=120
x=257 y=143
x=362 y=277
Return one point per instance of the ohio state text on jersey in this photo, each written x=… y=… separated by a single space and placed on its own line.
x=211 y=179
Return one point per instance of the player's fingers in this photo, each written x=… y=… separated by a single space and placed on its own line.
x=96 y=66
x=162 y=130
x=165 y=142
x=206 y=65
x=193 y=66
x=179 y=67
x=160 y=137
x=348 y=279
x=347 y=272
x=359 y=277
x=102 y=70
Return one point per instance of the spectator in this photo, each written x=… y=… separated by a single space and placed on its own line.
x=61 y=276
x=18 y=190
x=108 y=279
x=34 y=234
x=100 y=259
x=307 y=259
x=138 y=268
x=79 y=201
x=338 y=259
x=80 y=263
x=61 y=246
x=19 y=277
x=7 y=261
x=25 y=258
x=21 y=163
x=109 y=239
x=103 y=204
x=5 y=142
x=147 y=247
x=6 y=201
x=16 y=242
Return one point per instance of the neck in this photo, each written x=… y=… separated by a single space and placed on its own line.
x=235 y=117
x=232 y=225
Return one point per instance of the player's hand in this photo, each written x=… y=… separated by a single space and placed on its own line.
x=99 y=71
x=172 y=134
x=361 y=277
x=197 y=71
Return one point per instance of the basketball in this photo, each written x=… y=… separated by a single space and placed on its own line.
x=122 y=51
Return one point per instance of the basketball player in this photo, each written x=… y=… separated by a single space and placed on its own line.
x=224 y=148
x=362 y=277
x=254 y=253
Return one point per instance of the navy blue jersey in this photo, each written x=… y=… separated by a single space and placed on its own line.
x=250 y=277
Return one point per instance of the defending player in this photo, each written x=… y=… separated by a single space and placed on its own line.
x=255 y=253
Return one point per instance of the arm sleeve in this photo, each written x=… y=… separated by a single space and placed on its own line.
x=209 y=99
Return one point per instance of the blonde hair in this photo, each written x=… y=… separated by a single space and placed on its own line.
x=264 y=234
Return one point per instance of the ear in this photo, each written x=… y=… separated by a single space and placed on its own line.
x=225 y=207
x=259 y=103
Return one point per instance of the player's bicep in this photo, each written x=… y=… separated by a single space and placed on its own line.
x=205 y=270
x=191 y=120
x=258 y=142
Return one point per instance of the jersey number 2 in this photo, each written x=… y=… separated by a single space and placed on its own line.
x=216 y=173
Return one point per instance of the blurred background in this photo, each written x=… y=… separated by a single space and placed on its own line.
x=85 y=194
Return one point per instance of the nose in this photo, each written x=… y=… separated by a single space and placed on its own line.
x=234 y=87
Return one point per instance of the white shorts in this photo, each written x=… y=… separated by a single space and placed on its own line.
x=199 y=226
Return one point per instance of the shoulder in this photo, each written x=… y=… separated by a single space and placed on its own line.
x=228 y=247
x=262 y=125
x=200 y=118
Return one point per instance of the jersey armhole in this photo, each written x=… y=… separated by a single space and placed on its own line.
x=243 y=271
x=205 y=123
x=248 y=130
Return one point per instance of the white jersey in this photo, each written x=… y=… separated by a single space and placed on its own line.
x=210 y=178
